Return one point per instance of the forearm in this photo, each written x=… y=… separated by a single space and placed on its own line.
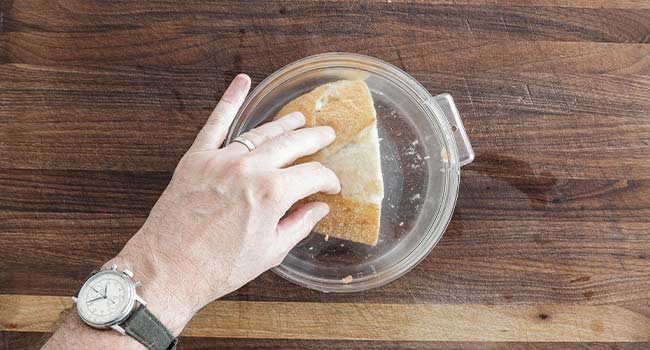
x=73 y=333
x=220 y=223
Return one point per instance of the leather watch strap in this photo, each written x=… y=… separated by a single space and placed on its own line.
x=145 y=327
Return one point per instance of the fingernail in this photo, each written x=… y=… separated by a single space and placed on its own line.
x=323 y=210
x=331 y=131
x=238 y=88
x=298 y=116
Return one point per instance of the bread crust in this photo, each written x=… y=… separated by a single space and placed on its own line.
x=346 y=106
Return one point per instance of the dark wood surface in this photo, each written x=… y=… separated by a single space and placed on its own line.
x=12 y=340
x=99 y=100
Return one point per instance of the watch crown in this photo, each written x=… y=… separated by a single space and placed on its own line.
x=114 y=268
x=74 y=300
x=128 y=273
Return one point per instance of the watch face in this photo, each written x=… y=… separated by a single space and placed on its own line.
x=105 y=298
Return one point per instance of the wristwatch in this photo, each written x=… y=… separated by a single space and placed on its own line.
x=108 y=300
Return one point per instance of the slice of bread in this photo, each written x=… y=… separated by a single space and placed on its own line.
x=346 y=106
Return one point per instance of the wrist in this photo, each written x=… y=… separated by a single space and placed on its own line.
x=186 y=277
x=156 y=290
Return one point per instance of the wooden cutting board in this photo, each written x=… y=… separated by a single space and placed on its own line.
x=549 y=246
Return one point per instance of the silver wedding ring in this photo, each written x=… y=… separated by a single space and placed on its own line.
x=246 y=142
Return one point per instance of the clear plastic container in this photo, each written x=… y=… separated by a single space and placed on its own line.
x=423 y=145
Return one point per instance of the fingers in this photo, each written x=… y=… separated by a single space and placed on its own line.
x=285 y=149
x=216 y=128
x=265 y=132
x=298 y=224
x=306 y=179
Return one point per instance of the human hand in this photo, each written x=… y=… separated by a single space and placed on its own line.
x=221 y=221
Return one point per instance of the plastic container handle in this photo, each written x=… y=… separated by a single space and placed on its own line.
x=449 y=110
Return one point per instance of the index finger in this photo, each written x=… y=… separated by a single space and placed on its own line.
x=216 y=128
x=288 y=147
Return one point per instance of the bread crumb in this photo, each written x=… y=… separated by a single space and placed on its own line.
x=347 y=279
x=401 y=223
x=327 y=238
x=426 y=157
x=311 y=248
x=415 y=142
x=415 y=196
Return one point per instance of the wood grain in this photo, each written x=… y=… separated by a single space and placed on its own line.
x=549 y=240
x=416 y=54
x=31 y=341
x=478 y=260
x=219 y=343
x=331 y=18
x=513 y=196
x=562 y=3
x=407 y=322
x=588 y=126
x=22 y=340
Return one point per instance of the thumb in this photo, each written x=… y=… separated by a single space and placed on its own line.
x=298 y=224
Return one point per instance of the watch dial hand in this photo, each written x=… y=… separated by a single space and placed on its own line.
x=96 y=291
x=91 y=300
x=105 y=289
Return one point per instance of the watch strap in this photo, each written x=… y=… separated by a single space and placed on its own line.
x=145 y=328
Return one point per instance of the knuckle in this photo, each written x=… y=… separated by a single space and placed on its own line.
x=210 y=163
x=270 y=189
x=282 y=124
x=277 y=127
x=223 y=109
x=256 y=133
x=241 y=167
x=275 y=189
x=255 y=136
x=282 y=142
x=288 y=137
x=233 y=170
